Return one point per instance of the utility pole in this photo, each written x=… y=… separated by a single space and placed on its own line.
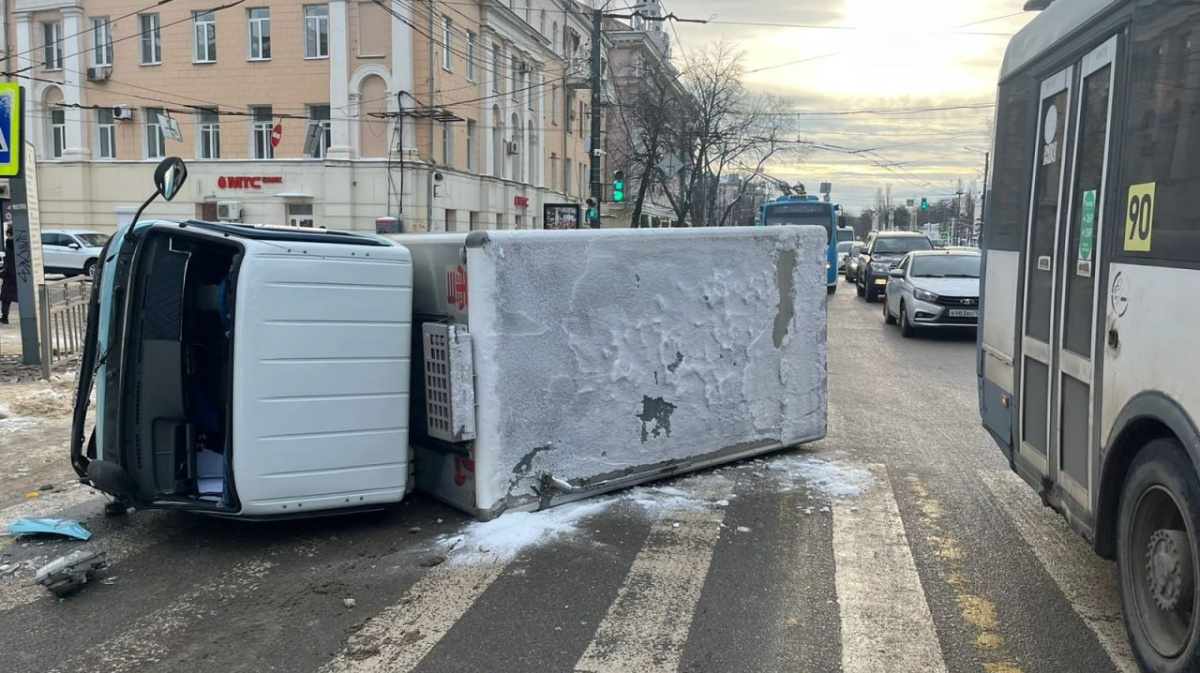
x=594 y=149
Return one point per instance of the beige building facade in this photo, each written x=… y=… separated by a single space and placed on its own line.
x=450 y=115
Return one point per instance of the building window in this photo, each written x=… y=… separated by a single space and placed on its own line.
x=150 y=29
x=52 y=35
x=554 y=105
x=553 y=171
x=529 y=12
x=102 y=44
x=542 y=23
x=204 y=32
x=300 y=215
x=155 y=142
x=58 y=132
x=472 y=47
x=567 y=176
x=472 y=147
x=106 y=134
x=209 y=134
x=261 y=129
x=568 y=108
x=447 y=42
x=258 y=21
x=319 y=131
x=447 y=144
x=554 y=38
x=316 y=31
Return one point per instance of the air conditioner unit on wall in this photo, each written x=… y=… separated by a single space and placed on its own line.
x=99 y=73
x=229 y=211
x=514 y=148
x=122 y=112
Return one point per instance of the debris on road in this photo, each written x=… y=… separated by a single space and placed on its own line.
x=64 y=527
x=414 y=529
x=435 y=560
x=743 y=529
x=349 y=602
x=67 y=574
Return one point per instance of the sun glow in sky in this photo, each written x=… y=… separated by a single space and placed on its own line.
x=872 y=55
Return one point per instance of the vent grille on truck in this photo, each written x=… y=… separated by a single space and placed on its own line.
x=449 y=382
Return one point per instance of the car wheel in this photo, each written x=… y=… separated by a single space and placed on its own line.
x=858 y=289
x=872 y=293
x=1157 y=557
x=906 y=329
x=887 y=316
x=89 y=269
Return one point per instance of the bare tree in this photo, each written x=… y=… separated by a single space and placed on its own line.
x=721 y=128
x=884 y=206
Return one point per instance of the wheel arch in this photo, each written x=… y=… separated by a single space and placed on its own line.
x=1148 y=416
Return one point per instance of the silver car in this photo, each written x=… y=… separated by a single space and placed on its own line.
x=933 y=289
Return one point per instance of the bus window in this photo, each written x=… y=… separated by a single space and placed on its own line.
x=1163 y=139
x=1008 y=198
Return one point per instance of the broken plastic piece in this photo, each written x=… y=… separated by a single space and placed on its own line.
x=64 y=527
x=67 y=574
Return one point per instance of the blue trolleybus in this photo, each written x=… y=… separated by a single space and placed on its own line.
x=810 y=210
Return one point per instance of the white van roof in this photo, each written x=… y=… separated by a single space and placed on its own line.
x=1056 y=22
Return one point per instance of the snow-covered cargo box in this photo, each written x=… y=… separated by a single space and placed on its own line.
x=605 y=358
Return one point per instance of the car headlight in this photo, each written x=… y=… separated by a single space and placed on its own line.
x=924 y=295
x=882 y=267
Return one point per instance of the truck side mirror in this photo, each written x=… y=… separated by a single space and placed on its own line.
x=170 y=176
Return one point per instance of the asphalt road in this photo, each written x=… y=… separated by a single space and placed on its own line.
x=900 y=543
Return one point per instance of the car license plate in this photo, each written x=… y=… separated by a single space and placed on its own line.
x=964 y=313
x=881 y=281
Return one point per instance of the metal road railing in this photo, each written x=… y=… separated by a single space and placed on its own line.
x=63 y=320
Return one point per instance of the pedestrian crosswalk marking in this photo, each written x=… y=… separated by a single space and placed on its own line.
x=886 y=621
x=397 y=639
x=647 y=625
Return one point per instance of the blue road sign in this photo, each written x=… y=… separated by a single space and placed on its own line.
x=11 y=151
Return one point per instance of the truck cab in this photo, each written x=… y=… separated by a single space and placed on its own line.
x=247 y=371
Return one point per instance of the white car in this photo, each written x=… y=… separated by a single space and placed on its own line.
x=933 y=289
x=72 y=252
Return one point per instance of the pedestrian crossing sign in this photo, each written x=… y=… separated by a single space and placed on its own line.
x=11 y=150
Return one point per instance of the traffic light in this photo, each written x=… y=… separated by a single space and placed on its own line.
x=591 y=210
x=619 y=186
x=924 y=203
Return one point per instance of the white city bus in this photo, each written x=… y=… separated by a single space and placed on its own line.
x=1089 y=366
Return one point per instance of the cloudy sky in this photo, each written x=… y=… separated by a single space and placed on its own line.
x=872 y=71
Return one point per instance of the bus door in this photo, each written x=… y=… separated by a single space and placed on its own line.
x=1075 y=366
x=1037 y=351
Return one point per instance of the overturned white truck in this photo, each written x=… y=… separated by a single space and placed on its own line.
x=265 y=372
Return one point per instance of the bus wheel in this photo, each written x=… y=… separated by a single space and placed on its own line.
x=832 y=289
x=1157 y=557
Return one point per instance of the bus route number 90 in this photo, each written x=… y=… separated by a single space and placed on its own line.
x=1139 y=218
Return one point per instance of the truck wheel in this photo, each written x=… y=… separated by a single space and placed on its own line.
x=1157 y=558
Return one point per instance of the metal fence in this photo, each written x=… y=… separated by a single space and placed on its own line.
x=63 y=320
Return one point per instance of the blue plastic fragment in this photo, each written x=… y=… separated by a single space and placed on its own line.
x=64 y=527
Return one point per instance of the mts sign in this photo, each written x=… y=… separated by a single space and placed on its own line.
x=247 y=182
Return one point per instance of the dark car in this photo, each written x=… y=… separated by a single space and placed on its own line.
x=853 y=260
x=883 y=253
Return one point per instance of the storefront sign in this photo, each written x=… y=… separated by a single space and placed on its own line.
x=561 y=216
x=246 y=182
x=521 y=201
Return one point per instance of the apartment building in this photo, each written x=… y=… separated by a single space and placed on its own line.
x=448 y=115
x=640 y=69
